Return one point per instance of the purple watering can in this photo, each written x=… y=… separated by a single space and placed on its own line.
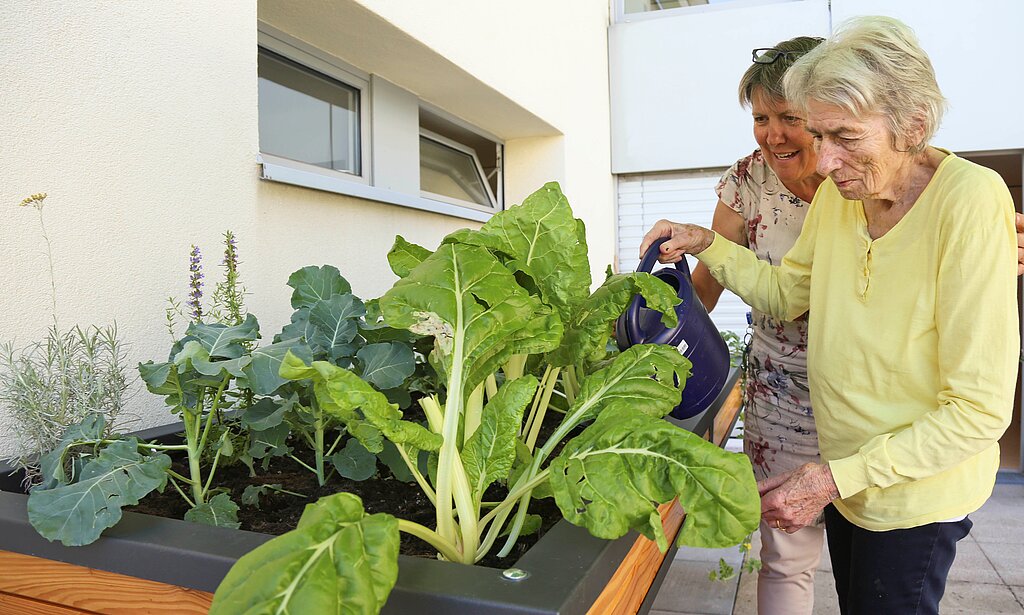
x=696 y=336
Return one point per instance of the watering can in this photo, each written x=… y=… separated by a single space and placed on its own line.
x=696 y=336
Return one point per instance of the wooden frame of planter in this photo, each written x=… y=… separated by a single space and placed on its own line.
x=149 y=564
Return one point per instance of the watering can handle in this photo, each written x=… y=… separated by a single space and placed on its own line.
x=651 y=257
x=636 y=336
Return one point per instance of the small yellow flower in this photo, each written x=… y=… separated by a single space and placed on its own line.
x=35 y=200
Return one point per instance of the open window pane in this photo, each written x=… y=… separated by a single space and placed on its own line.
x=306 y=116
x=450 y=172
x=643 y=6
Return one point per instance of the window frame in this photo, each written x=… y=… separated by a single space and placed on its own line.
x=495 y=207
x=621 y=16
x=282 y=170
x=309 y=57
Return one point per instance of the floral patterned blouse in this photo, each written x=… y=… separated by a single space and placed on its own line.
x=778 y=422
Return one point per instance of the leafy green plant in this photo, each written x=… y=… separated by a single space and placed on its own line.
x=328 y=325
x=51 y=384
x=502 y=305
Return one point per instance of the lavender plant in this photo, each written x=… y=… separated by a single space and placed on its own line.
x=56 y=382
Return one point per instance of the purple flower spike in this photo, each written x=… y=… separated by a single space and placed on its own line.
x=195 y=284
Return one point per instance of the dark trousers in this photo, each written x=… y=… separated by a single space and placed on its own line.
x=896 y=572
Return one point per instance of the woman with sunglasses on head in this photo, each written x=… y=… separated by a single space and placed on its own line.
x=763 y=200
x=905 y=266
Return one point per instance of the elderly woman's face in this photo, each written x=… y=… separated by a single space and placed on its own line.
x=779 y=131
x=857 y=153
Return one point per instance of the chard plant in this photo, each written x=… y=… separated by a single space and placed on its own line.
x=514 y=327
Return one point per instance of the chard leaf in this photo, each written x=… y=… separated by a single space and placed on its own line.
x=386 y=365
x=219 y=511
x=545 y=241
x=470 y=303
x=405 y=256
x=263 y=373
x=340 y=393
x=338 y=560
x=224 y=341
x=313 y=284
x=611 y=477
x=489 y=453
x=591 y=323
x=354 y=462
x=348 y=392
x=646 y=376
x=541 y=334
x=77 y=513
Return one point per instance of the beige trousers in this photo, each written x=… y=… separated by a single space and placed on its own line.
x=785 y=584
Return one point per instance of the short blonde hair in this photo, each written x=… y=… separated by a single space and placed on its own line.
x=872 y=65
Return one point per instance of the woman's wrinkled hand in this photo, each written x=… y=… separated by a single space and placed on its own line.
x=794 y=500
x=683 y=239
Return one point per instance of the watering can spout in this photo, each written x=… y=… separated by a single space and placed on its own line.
x=695 y=336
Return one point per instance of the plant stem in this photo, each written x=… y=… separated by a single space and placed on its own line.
x=49 y=258
x=435 y=417
x=318 y=445
x=501 y=512
x=301 y=463
x=536 y=402
x=474 y=411
x=515 y=366
x=213 y=468
x=192 y=427
x=420 y=479
x=445 y=547
x=174 y=483
x=491 y=385
x=550 y=379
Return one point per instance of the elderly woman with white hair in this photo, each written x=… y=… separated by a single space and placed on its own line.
x=906 y=266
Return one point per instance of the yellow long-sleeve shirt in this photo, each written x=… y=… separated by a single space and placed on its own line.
x=913 y=341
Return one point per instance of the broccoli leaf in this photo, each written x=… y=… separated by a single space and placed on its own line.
x=77 y=513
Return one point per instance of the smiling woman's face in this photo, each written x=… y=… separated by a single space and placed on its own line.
x=779 y=131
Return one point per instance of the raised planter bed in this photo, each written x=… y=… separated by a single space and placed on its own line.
x=149 y=564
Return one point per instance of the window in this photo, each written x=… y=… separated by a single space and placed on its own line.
x=308 y=117
x=316 y=114
x=635 y=7
x=458 y=165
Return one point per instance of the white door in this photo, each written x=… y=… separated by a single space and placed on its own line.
x=680 y=196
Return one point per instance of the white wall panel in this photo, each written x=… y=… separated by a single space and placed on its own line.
x=674 y=82
x=680 y=197
x=975 y=49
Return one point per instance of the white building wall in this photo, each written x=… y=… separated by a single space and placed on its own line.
x=674 y=77
x=974 y=47
x=674 y=82
x=141 y=124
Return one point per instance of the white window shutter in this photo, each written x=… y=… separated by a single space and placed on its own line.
x=682 y=196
